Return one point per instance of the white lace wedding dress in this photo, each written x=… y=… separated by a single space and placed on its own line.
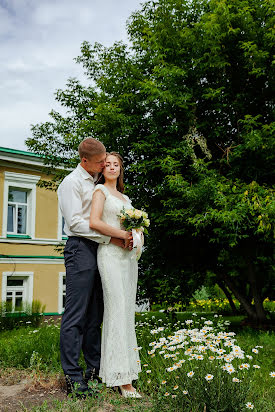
x=118 y=269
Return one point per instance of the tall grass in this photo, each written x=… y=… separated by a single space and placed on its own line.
x=165 y=343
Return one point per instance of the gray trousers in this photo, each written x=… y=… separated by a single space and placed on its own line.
x=82 y=318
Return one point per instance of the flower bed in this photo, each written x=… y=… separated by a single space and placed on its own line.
x=216 y=305
x=212 y=305
x=198 y=365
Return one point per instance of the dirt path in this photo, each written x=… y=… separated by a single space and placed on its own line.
x=19 y=392
x=23 y=390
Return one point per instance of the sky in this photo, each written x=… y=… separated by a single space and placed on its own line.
x=38 y=41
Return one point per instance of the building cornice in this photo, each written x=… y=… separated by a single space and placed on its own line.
x=28 y=259
x=21 y=157
x=49 y=242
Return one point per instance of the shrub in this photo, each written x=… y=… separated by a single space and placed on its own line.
x=26 y=315
x=201 y=294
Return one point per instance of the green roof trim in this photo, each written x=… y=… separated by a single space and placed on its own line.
x=52 y=314
x=30 y=256
x=18 y=236
x=15 y=151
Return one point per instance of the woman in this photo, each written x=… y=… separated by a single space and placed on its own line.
x=118 y=269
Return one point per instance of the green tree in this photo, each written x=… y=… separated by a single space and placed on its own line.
x=189 y=106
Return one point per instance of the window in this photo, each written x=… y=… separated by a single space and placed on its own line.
x=15 y=294
x=17 y=211
x=62 y=292
x=19 y=205
x=61 y=235
x=63 y=224
x=17 y=289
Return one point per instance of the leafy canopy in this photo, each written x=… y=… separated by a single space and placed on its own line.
x=189 y=104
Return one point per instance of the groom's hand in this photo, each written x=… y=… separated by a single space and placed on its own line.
x=117 y=242
x=129 y=244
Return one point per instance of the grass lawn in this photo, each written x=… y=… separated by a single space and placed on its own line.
x=166 y=356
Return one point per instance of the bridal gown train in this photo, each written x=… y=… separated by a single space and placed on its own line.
x=118 y=270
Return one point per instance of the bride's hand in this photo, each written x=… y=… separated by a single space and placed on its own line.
x=128 y=240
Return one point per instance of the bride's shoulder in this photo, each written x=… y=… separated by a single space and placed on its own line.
x=127 y=198
x=102 y=188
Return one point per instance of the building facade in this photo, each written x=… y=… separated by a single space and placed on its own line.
x=30 y=230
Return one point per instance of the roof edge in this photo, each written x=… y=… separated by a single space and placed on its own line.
x=19 y=152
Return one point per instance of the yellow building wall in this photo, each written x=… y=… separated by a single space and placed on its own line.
x=46 y=217
x=45 y=281
x=46 y=214
x=28 y=249
x=45 y=276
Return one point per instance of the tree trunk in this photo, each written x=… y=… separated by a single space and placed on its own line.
x=258 y=301
x=228 y=295
x=241 y=298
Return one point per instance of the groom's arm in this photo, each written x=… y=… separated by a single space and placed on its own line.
x=70 y=203
x=117 y=242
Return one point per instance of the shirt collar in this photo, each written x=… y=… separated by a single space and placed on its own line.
x=85 y=174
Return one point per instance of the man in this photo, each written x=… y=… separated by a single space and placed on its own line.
x=82 y=318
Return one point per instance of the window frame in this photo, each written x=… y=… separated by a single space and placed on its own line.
x=16 y=206
x=62 y=275
x=24 y=182
x=60 y=234
x=27 y=285
x=14 y=290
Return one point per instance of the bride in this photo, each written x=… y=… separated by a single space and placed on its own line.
x=118 y=269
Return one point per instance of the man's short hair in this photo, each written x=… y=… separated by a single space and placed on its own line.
x=90 y=147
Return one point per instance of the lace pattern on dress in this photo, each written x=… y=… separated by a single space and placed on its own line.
x=120 y=362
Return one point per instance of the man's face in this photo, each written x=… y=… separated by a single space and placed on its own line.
x=95 y=164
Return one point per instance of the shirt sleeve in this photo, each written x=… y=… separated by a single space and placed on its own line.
x=69 y=197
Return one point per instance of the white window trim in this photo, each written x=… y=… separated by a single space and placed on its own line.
x=59 y=224
x=60 y=292
x=29 y=284
x=23 y=181
x=60 y=236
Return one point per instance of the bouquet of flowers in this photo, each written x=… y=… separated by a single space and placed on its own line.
x=134 y=219
x=137 y=221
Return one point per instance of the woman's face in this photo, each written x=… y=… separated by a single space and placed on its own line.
x=112 y=168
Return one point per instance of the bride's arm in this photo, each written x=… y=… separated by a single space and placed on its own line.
x=97 y=224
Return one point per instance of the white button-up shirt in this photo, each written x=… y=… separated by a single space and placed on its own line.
x=75 y=198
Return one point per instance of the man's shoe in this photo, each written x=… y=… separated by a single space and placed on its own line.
x=77 y=389
x=91 y=376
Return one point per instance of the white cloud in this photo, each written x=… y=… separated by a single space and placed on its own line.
x=39 y=40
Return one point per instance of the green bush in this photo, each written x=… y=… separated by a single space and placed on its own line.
x=201 y=294
x=27 y=315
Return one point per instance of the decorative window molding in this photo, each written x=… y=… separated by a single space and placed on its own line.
x=26 y=289
x=23 y=182
x=17 y=212
x=61 y=291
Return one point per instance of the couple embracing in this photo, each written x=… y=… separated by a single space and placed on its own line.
x=101 y=272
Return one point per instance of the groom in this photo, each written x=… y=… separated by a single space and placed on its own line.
x=82 y=318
